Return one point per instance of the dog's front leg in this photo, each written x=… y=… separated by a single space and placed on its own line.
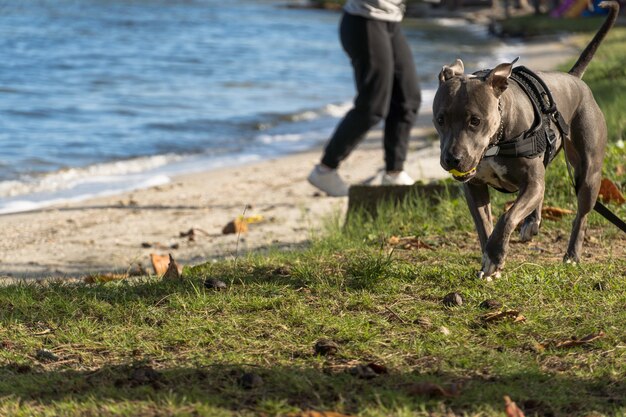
x=477 y=197
x=530 y=196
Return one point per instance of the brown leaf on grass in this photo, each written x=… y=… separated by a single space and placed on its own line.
x=189 y=234
x=174 y=271
x=160 y=263
x=547 y=212
x=582 y=341
x=99 y=278
x=314 y=413
x=235 y=227
x=432 y=390
x=192 y=233
x=501 y=315
x=511 y=409
x=555 y=213
x=369 y=371
x=537 y=347
x=610 y=193
x=378 y=368
x=408 y=243
x=257 y=218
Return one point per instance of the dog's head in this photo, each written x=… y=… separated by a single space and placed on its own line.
x=466 y=115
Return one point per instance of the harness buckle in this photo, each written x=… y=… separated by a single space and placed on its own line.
x=493 y=151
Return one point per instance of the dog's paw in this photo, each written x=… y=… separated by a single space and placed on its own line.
x=528 y=230
x=570 y=259
x=490 y=269
x=481 y=275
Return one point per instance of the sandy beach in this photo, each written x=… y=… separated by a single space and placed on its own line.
x=114 y=233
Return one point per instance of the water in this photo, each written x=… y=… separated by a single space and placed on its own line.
x=101 y=96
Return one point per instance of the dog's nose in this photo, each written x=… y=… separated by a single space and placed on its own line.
x=452 y=160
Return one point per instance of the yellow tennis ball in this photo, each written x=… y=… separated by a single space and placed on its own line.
x=459 y=173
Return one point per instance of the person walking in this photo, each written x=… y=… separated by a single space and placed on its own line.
x=387 y=89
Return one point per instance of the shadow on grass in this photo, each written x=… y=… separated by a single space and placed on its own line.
x=224 y=386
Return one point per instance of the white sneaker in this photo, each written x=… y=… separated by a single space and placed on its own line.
x=400 y=178
x=328 y=181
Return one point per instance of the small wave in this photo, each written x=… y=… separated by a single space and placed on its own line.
x=74 y=177
x=289 y=137
x=336 y=110
x=113 y=178
x=34 y=202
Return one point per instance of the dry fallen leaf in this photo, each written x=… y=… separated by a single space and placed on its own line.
x=547 y=212
x=160 y=263
x=94 y=278
x=367 y=371
x=610 y=193
x=257 y=218
x=554 y=213
x=511 y=409
x=579 y=342
x=235 y=227
x=192 y=233
x=378 y=368
x=499 y=315
x=537 y=347
x=408 y=243
x=174 y=271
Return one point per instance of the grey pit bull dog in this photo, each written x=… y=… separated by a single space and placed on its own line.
x=472 y=113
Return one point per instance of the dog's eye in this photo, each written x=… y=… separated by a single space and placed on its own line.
x=440 y=120
x=474 y=121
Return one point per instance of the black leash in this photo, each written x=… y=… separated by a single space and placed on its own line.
x=598 y=207
x=610 y=216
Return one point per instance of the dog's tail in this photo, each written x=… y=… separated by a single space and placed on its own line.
x=578 y=70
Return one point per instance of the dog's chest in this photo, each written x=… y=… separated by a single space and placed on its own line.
x=494 y=174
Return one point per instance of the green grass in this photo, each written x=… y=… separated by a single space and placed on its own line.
x=350 y=288
x=154 y=348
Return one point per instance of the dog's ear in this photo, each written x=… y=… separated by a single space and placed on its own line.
x=498 y=78
x=453 y=70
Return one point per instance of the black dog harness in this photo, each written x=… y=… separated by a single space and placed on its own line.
x=541 y=137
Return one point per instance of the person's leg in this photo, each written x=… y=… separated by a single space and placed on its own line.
x=405 y=102
x=367 y=43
